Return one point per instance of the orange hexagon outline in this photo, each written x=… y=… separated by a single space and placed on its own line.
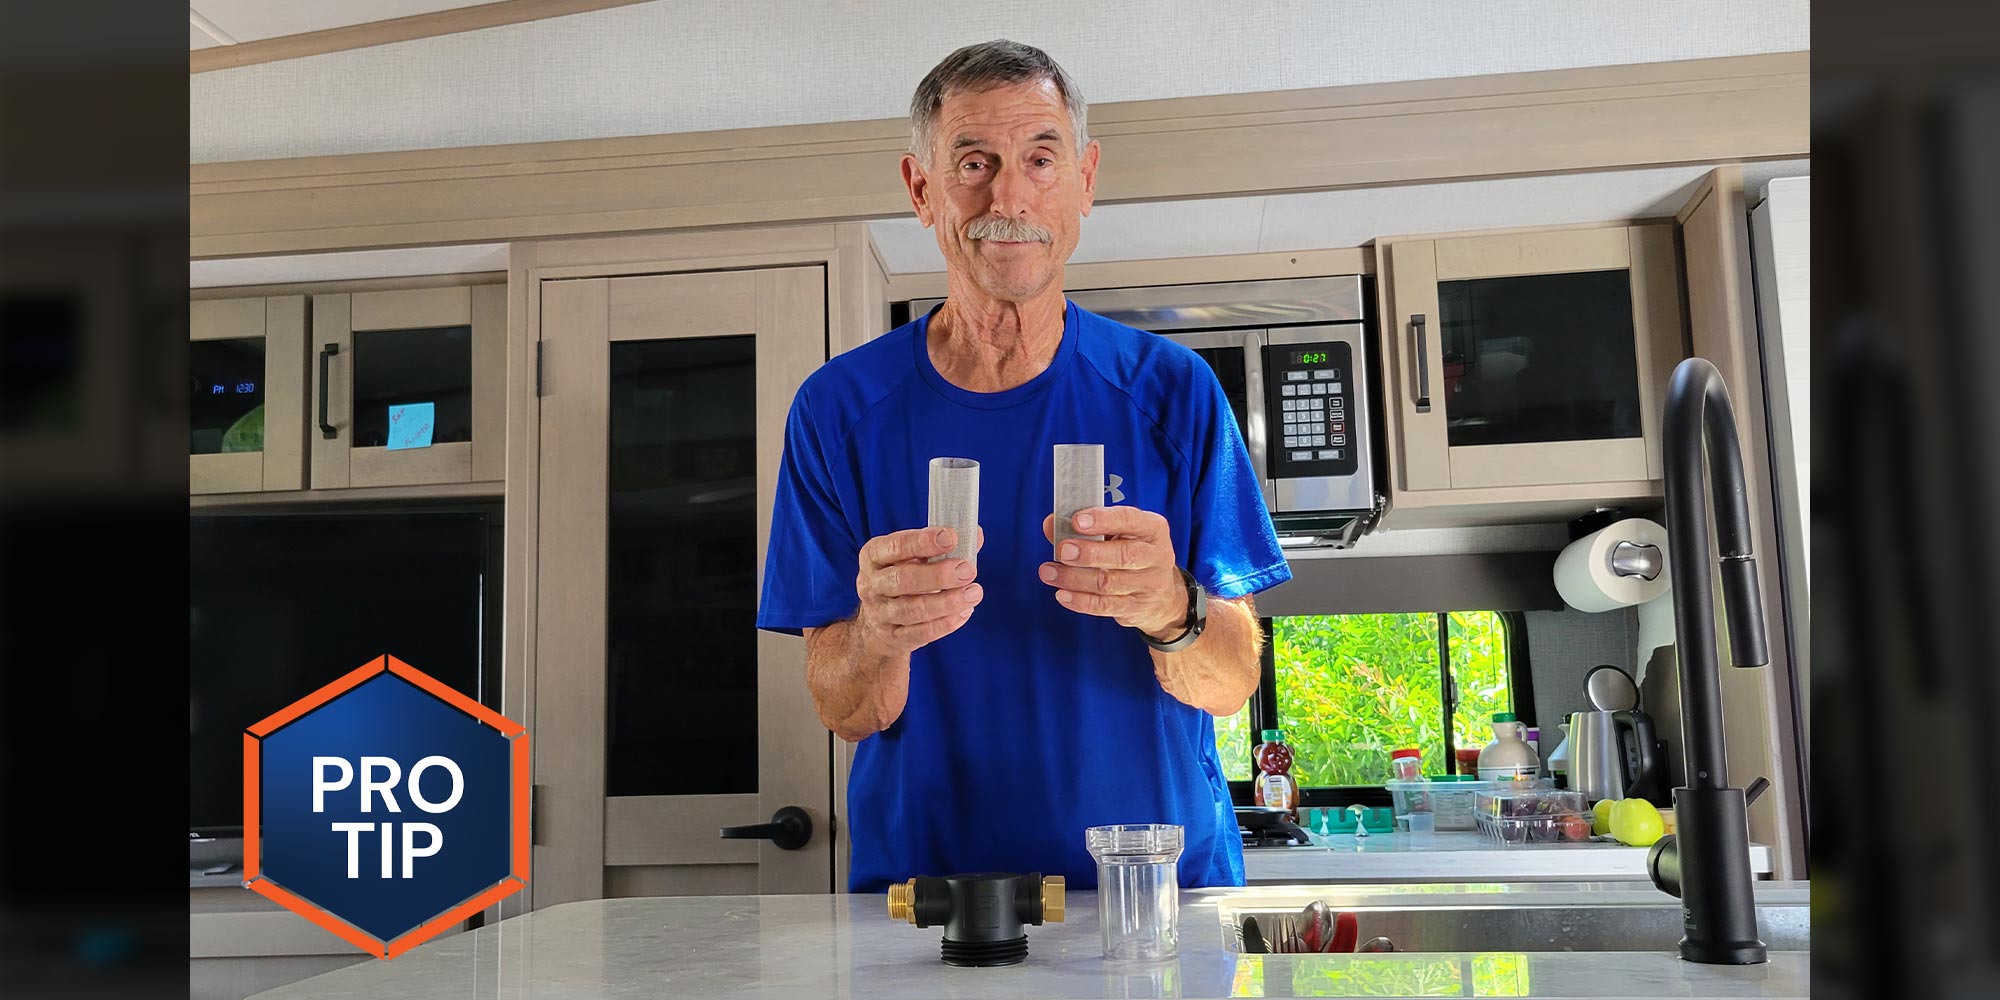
x=253 y=876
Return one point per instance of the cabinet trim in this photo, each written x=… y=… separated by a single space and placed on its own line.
x=1543 y=122
x=411 y=309
x=330 y=455
x=226 y=319
x=450 y=462
x=285 y=393
x=1544 y=463
x=1518 y=255
x=1421 y=442
x=1657 y=318
x=242 y=473
x=281 y=499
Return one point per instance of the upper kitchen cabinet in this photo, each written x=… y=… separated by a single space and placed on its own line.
x=409 y=387
x=1526 y=370
x=246 y=411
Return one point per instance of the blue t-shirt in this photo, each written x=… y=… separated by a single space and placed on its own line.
x=1031 y=722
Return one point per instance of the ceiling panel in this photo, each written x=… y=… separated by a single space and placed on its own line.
x=198 y=39
x=255 y=20
x=1322 y=220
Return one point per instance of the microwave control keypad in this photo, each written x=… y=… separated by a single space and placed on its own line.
x=1312 y=434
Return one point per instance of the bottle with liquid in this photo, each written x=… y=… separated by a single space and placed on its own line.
x=1274 y=784
x=1559 y=761
x=1508 y=757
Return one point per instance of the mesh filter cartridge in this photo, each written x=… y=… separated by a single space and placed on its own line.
x=955 y=504
x=1079 y=484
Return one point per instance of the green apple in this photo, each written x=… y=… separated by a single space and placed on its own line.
x=1636 y=823
x=1600 y=816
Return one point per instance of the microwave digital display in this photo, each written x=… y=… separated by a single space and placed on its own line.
x=1318 y=357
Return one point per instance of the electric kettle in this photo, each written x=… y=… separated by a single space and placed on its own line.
x=1614 y=752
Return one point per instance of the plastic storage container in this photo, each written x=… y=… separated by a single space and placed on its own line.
x=1138 y=889
x=1512 y=816
x=1451 y=800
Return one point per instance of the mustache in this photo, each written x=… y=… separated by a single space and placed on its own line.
x=1008 y=231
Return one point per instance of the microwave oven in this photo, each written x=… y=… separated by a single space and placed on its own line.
x=1293 y=357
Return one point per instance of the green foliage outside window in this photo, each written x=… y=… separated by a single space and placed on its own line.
x=1351 y=688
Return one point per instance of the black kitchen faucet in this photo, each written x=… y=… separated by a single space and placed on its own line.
x=1706 y=862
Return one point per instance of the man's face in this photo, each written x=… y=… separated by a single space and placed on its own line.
x=1005 y=187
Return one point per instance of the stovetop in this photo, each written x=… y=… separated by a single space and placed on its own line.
x=1274 y=837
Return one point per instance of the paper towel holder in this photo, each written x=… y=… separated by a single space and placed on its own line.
x=1630 y=559
x=1599 y=517
x=1636 y=559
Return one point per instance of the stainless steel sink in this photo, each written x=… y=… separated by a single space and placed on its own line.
x=1533 y=928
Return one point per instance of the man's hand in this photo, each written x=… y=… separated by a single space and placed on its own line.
x=906 y=602
x=1130 y=577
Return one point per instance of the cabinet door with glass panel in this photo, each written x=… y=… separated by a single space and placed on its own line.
x=662 y=714
x=1532 y=358
x=246 y=404
x=409 y=387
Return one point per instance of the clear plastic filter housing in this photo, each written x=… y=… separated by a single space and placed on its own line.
x=1138 y=889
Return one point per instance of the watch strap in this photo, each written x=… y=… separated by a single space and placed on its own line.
x=1197 y=618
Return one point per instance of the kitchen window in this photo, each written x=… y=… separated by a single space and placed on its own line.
x=1347 y=689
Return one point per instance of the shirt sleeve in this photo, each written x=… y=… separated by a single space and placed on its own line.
x=810 y=566
x=1232 y=548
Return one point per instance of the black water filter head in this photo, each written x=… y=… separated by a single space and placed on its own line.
x=984 y=915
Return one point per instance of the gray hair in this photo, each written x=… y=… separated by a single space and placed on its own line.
x=981 y=67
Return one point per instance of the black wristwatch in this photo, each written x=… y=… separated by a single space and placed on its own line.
x=1197 y=619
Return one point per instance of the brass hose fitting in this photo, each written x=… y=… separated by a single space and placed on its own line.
x=902 y=902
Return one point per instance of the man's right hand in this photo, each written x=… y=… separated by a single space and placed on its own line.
x=907 y=602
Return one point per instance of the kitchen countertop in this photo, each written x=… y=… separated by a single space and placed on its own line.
x=846 y=946
x=1449 y=856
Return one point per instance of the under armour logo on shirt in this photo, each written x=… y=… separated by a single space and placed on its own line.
x=1117 y=495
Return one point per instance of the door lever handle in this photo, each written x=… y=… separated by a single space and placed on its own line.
x=790 y=828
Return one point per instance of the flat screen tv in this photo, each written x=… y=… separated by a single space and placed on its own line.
x=282 y=604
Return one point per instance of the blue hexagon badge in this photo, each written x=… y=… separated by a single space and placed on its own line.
x=385 y=807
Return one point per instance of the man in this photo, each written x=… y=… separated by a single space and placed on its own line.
x=1000 y=712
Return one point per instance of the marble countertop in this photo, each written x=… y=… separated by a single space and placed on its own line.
x=1449 y=856
x=846 y=946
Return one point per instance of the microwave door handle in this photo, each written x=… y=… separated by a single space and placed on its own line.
x=1423 y=362
x=1254 y=412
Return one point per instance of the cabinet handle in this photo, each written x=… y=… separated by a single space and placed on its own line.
x=1423 y=363
x=325 y=353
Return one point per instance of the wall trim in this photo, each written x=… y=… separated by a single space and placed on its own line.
x=1554 y=121
x=399 y=29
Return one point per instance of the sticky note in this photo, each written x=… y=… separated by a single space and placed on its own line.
x=410 y=425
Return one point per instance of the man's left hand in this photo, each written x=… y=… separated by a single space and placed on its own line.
x=1130 y=577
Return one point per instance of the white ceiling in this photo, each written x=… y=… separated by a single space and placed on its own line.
x=672 y=66
x=1330 y=219
x=230 y=21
